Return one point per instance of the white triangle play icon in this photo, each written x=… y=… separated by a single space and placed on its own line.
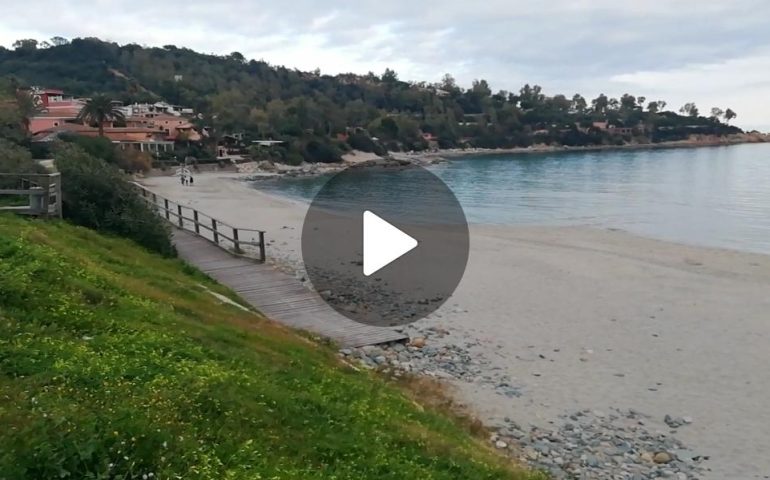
x=383 y=243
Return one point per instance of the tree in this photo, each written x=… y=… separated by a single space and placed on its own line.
x=99 y=110
x=689 y=109
x=627 y=102
x=96 y=195
x=448 y=83
x=390 y=76
x=600 y=104
x=25 y=44
x=59 y=41
x=653 y=107
x=28 y=106
x=16 y=159
x=579 y=104
x=729 y=115
x=717 y=113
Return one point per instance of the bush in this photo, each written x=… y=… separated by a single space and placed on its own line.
x=318 y=152
x=96 y=195
x=16 y=159
x=132 y=160
x=363 y=142
x=99 y=147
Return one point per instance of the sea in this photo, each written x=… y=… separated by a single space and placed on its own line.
x=709 y=196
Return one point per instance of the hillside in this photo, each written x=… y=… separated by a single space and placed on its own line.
x=236 y=95
x=116 y=363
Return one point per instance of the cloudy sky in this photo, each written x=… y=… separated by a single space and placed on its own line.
x=715 y=53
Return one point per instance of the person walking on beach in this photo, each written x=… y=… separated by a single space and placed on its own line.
x=181 y=179
x=191 y=180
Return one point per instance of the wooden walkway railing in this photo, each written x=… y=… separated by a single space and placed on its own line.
x=36 y=194
x=189 y=219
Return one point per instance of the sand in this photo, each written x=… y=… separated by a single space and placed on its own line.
x=622 y=321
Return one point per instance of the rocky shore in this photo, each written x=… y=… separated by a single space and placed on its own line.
x=590 y=444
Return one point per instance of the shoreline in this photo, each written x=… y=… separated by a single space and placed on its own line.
x=551 y=323
x=545 y=149
x=355 y=158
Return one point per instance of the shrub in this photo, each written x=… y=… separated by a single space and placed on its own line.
x=363 y=142
x=132 y=160
x=318 y=152
x=16 y=159
x=98 y=196
x=99 y=147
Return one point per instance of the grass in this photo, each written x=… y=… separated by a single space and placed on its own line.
x=118 y=364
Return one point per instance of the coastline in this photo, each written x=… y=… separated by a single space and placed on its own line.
x=358 y=158
x=549 y=321
x=444 y=154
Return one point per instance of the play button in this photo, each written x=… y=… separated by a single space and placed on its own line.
x=385 y=245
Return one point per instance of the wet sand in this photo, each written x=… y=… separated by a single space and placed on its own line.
x=586 y=318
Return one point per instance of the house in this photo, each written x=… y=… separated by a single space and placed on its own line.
x=151 y=110
x=56 y=108
x=139 y=138
x=174 y=128
x=612 y=129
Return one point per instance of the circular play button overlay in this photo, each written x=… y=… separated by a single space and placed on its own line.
x=385 y=245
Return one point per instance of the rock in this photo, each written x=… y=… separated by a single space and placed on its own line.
x=418 y=342
x=501 y=444
x=346 y=351
x=662 y=458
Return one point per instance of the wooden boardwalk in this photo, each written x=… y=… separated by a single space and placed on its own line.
x=279 y=296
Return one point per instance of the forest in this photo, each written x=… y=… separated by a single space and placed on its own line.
x=320 y=116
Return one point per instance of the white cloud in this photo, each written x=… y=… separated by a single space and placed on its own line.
x=742 y=84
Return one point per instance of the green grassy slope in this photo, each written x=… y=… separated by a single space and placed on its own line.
x=116 y=363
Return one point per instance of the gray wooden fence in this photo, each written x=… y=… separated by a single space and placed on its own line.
x=37 y=194
x=216 y=231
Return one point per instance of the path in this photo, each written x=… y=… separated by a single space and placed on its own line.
x=279 y=296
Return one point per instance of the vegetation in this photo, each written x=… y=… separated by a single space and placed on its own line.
x=96 y=195
x=117 y=363
x=310 y=111
x=99 y=110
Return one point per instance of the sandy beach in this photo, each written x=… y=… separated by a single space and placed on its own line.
x=582 y=318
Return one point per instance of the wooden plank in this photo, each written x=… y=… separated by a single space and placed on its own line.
x=278 y=295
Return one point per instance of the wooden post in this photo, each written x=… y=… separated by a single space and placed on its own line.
x=236 y=242
x=59 y=201
x=165 y=203
x=46 y=184
x=195 y=220
x=179 y=214
x=262 y=247
x=214 y=228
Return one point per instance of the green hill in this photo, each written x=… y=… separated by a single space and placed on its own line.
x=117 y=363
x=238 y=95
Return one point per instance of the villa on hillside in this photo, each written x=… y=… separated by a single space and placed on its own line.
x=151 y=110
x=150 y=128
x=56 y=109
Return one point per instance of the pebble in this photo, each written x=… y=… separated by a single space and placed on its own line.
x=605 y=444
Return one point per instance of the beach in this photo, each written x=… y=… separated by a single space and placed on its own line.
x=578 y=318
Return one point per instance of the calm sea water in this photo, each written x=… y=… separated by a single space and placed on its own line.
x=716 y=196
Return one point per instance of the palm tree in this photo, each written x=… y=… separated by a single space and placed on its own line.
x=98 y=110
x=28 y=106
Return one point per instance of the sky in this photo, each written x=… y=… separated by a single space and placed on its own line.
x=713 y=53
